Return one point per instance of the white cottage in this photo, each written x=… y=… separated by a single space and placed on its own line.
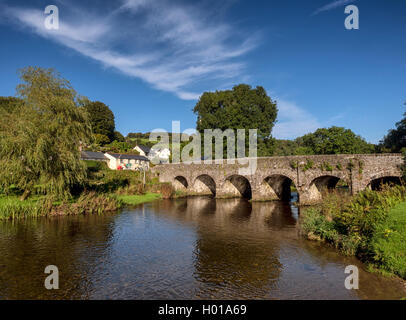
x=157 y=153
x=143 y=150
x=119 y=161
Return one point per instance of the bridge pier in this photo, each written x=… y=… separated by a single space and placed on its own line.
x=264 y=192
x=233 y=188
x=201 y=188
x=309 y=195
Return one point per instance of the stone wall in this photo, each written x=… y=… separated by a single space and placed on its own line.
x=273 y=175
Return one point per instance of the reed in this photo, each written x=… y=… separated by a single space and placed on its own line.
x=11 y=208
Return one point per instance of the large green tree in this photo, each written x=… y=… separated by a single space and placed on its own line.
x=243 y=107
x=395 y=140
x=335 y=140
x=118 y=136
x=102 y=121
x=40 y=139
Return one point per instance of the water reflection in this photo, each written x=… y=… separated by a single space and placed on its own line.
x=75 y=245
x=195 y=248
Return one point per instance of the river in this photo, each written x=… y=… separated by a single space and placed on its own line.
x=195 y=248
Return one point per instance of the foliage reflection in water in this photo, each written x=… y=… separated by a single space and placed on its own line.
x=195 y=248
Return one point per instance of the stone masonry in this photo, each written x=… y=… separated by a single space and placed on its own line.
x=274 y=175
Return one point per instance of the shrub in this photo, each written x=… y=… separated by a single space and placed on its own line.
x=360 y=167
x=134 y=189
x=354 y=223
x=95 y=166
x=309 y=164
x=317 y=226
x=388 y=243
x=167 y=191
x=87 y=203
x=107 y=181
x=293 y=164
x=13 y=208
x=326 y=166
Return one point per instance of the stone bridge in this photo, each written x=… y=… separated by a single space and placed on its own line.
x=274 y=176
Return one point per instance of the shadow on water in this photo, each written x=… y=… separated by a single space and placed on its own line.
x=193 y=248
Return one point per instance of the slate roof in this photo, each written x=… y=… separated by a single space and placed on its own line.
x=144 y=148
x=90 y=155
x=128 y=156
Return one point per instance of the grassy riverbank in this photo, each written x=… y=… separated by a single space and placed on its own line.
x=105 y=191
x=370 y=225
x=12 y=208
x=389 y=242
x=132 y=200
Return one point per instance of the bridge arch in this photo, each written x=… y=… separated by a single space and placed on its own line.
x=374 y=169
x=389 y=177
x=237 y=186
x=277 y=187
x=180 y=183
x=204 y=184
x=323 y=183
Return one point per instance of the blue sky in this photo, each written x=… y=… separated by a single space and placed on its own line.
x=149 y=60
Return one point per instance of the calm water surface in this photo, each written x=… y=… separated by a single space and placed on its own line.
x=196 y=248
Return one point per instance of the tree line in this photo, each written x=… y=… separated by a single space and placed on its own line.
x=43 y=128
x=245 y=107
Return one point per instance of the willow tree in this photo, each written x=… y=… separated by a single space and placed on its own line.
x=40 y=139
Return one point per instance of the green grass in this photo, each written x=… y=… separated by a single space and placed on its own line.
x=370 y=225
x=389 y=242
x=12 y=208
x=138 y=199
x=106 y=191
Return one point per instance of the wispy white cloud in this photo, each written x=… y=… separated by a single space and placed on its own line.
x=333 y=120
x=293 y=121
x=332 y=5
x=134 y=4
x=34 y=19
x=170 y=45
